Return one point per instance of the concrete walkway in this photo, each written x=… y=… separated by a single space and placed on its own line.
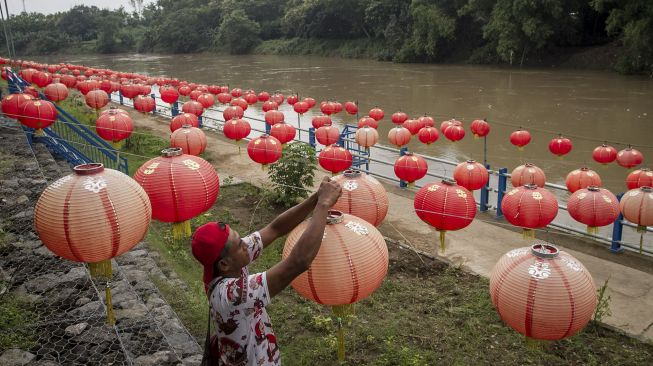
x=477 y=247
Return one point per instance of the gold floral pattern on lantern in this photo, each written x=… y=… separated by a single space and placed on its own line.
x=95 y=185
x=350 y=185
x=517 y=252
x=192 y=165
x=537 y=196
x=357 y=227
x=539 y=270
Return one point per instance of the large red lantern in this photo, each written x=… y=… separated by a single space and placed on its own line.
x=195 y=94
x=236 y=129
x=240 y=102
x=542 y=293
x=604 y=154
x=399 y=136
x=376 y=113
x=328 y=108
x=520 y=138
x=362 y=196
x=410 y=168
x=445 y=206
x=300 y=107
x=183 y=119
x=310 y=102
x=273 y=117
x=278 y=98
x=191 y=140
x=180 y=187
x=640 y=178
x=582 y=178
x=428 y=135
x=413 y=126
x=129 y=91
x=91 y=216
x=68 y=80
x=399 y=118
x=527 y=174
x=236 y=92
x=327 y=135
x=97 y=99
x=471 y=175
x=169 y=94
x=193 y=107
x=269 y=105
x=251 y=98
x=206 y=100
x=560 y=146
x=56 y=92
x=12 y=104
x=114 y=127
x=263 y=96
x=37 y=114
x=335 y=159
x=41 y=79
x=224 y=98
x=529 y=207
x=351 y=108
x=319 y=121
x=368 y=121
x=454 y=131
x=426 y=121
x=144 y=104
x=264 y=150
x=366 y=137
x=232 y=112
x=594 y=207
x=480 y=128
x=283 y=132
x=637 y=207
x=629 y=157
x=292 y=99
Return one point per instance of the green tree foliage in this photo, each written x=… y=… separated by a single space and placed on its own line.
x=238 y=33
x=293 y=174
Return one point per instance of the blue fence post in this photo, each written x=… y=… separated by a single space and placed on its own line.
x=154 y=97
x=503 y=182
x=311 y=136
x=199 y=121
x=343 y=134
x=485 y=193
x=402 y=152
x=175 y=109
x=120 y=97
x=268 y=128
x=617 y=231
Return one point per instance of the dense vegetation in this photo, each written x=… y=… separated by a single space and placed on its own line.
x=475 y=31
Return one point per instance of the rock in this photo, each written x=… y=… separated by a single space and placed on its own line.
x=74 y=275
x=45 y=363
x=97 y=335
x=22 y=199
x=42 y=283
x=194 y=360
x=28 y=244
x=82 y=301
x=88 y=310
x=16 y=357
x=10 y=183
x=138 y=253
x=39 y=181
x=43 y=251
x=133 y=312
x=76 y=329
x=155 y=301
x=157 y=358
x=137 y=276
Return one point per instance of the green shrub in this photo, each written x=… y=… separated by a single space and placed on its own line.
x=293 y=174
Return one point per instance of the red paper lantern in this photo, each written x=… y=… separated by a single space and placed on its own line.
x=236 y=129
x=114 y=126
x=594 y=207
x=68 y=80
x=41 y=78
x=445 y=206
x=410 y=168
x=368 y=121
x=582 y=178
x=637 y=207
x=640 y=178
x=191 y=140
x=230 y=113
x=236 y=92
x=264 y=150
x=335 y=159
x=351 y=108
x=520 y=138
x=12 y=104
x=180 y=187
x=224 y=89
x=278 y=98
x=542 y=293
x=327 y=135
x=273 y=117
x=292 y=99
x=604 y=154
x=629 y=157
x=183 y=119
x=206 y=100
x=560 y=146
x=269 y=105
x=224 y=98
x=362 y=196
x=480 y=128
x=471 y=175
x=263 y=96
x=399 y=118
x=240 y=102
x=426 y=121
x=367 y=137
x=337 y=107
x=529 y=207
x=527 y=174
x=283 y=132
x=195 y=94
x=428 y=135
x=300 y=107
x=310 y=102
x=214 y=89
x=413 y=126
x=129 y=91
x=31 y=91
x=376 y=113
x=251 y=98
x=37 y=114
x=454 y=132
x=319 y=121
x=145 y=104
x=351 y=264
x=327 y=108
x=97 y=99
x=105 y=86
x=193 y=107
x=399 y=136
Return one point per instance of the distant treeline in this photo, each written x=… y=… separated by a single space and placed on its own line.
x=473 y=31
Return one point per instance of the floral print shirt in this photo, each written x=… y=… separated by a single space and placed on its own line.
x=244 y=330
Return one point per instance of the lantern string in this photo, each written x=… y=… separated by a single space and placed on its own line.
x=489 y=221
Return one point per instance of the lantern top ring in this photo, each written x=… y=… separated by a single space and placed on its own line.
x=593 y=188
x=646 y=189
x=334 y=217
x=351 y=173
x=186 y=125
x=471 y=161
x=544 y=250
x=449 y=182
x=530 y=186
x=529 y=164
x=171 y=151
x=88 y=169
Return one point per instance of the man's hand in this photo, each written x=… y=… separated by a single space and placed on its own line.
x=329 y=192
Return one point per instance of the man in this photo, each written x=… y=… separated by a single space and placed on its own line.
x=237 y=299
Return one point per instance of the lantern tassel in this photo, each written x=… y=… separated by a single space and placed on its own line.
x=534 y=344
x=117 y=144
x=520 y=148
x=111 y=317
x=101 y=269
x=39 y=132
x=528 y=234
x=476 y=137
x=181 y=230
x=442 y=237
x=592 y=230
x=341 y=312
x=641 y=242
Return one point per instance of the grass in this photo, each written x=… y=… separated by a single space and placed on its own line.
x=14 y=323
x=425 y=313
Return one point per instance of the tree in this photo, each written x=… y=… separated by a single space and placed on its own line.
x=293 y=174
x=238 y=33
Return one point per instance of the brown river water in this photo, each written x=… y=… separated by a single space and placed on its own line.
x=588 y=107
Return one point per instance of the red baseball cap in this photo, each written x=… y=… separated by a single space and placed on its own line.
x=208 y=242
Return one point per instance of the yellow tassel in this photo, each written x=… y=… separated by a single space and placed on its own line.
x=181 y=230
x=118 y=144
x=520 y=148
x=39 y=132
x=528 y=234
x=476 y=137
x=341 y=312
x=534 y=344
x=111 y=317
x=592 y=230
x=442 y=236
x=101 y=269
x=641 y=228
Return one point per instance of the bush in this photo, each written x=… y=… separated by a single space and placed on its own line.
x=293 y=174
